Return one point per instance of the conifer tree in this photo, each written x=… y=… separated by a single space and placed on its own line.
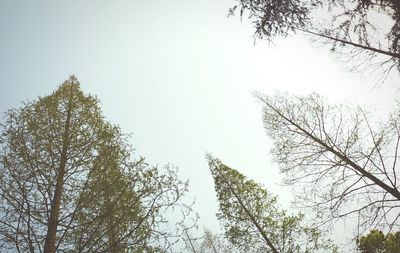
x=253 y=220
x=68 y=182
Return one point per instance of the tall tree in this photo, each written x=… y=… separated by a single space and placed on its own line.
x=47 y=147
x=342 y=162
x=367 y=27
x=64 y=170
x=253 y=220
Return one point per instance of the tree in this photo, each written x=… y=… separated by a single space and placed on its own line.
x=124 y=206
x=46 y=144
x=367 y=27
x=342 y=162
x=66 y=173
x=377 y=242
x=253 y=220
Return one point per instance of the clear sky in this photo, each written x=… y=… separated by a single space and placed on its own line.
x=177 y=74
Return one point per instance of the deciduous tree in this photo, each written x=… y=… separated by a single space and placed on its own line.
x=339 y=160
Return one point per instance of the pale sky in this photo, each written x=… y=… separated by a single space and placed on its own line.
x=178 y=75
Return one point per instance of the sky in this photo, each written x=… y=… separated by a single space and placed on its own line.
x=178 y=75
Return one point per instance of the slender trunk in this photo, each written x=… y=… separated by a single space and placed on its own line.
x=111 y=237
x=49 y=246
x=190 y=242
x=209 y=238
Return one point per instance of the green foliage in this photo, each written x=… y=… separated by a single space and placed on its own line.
x=109 y=202
x=377 y=242
x=111 y=214
x=253 y=220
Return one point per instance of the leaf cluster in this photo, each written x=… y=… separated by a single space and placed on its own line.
x=377 y=242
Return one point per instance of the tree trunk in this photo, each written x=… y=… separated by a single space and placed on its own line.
x=49 y=246
x=111 y=225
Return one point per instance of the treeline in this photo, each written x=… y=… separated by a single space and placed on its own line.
x=69 y=180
